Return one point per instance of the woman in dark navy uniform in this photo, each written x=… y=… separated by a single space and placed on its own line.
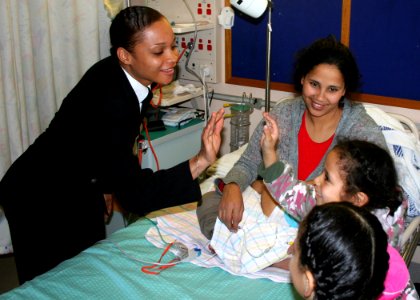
x=53 y=194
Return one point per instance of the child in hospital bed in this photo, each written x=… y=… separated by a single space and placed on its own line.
x=355 y=171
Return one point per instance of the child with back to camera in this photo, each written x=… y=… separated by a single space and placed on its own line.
x=332 y=262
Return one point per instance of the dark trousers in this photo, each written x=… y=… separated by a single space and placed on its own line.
x=50 y=226
x=207 y=212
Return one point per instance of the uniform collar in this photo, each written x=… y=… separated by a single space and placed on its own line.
x=140 y=90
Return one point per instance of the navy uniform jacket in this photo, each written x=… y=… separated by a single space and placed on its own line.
x=87 y=151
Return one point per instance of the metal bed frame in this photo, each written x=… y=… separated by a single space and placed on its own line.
x=411 y=235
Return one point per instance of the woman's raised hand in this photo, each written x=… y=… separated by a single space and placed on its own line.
x=210 y=144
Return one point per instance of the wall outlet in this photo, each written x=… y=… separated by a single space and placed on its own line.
x=205 y=70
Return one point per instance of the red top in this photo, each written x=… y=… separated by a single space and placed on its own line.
x=310 y=152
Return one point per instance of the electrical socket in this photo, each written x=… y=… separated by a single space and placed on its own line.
x=205 y=70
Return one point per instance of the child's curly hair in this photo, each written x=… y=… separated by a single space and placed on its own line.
x=370 y=169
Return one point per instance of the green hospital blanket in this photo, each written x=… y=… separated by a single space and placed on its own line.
x=111 y=270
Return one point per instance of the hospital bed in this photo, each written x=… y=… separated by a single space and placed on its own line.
x=112 y=269
x=403 y=140
x=411 y=237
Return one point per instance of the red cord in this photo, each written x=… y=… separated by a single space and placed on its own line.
x=158 y=86
x=160 y=96
x=160 y=268
x=180 y=56
x=140 y=155
x=151 y=146
x=140 y=142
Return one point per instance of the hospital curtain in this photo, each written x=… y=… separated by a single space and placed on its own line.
x=45 y=47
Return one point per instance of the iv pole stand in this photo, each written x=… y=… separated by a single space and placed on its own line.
x=268 y=60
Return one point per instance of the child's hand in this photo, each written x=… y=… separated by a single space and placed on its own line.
x=270 y=135
x=258 y=186
x=269 y=140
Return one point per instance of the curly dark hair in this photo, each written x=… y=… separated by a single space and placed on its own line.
x=129 y=24
x=370 y=169
x=327 y=51
x=345 y=248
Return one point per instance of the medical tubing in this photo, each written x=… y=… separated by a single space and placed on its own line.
x=151 y=146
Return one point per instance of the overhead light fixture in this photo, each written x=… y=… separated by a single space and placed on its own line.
x=255 y=9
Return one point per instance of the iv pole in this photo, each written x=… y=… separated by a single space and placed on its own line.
x=255 y=8
x=268 y=60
